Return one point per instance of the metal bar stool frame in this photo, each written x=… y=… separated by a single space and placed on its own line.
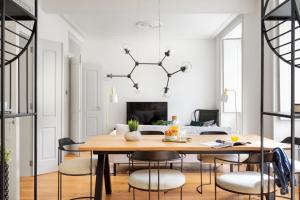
x=61 y=148
x=156 y=159
x=253 y=160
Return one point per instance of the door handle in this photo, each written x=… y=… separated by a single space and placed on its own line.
x=98 y=108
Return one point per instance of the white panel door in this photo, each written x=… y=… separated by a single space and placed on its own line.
x=49 y=104
x=76 y=98
x=92 y=124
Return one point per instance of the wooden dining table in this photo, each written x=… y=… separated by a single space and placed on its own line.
x=116 y=144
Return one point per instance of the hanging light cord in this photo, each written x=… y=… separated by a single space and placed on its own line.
x=159 y=29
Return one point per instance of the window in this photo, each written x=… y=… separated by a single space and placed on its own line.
x=232 y=69
x=285 y=70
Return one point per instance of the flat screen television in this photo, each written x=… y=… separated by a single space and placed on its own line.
x=147 y=113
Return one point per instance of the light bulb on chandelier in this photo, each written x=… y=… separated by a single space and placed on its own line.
x=186 y=67
x=125 y=48
x=166 y=93
x=137 y=88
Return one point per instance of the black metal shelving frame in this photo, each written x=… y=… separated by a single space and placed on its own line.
x=13 y=12
x=285 y=12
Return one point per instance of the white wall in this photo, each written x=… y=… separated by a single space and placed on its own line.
x=251 y=73
x=274 y=127
x=282 y=126
x=189 y=91
x=249 y=119
x=54 y=27
x=227 y=118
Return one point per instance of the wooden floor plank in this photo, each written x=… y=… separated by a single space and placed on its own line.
x=79 y=186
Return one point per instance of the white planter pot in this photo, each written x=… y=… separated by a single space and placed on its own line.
x=132 y=136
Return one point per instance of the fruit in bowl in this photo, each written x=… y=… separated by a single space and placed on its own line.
x=172 y=133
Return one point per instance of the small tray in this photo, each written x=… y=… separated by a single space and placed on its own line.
x=184 y=140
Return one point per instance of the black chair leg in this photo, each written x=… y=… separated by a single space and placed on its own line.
x=171 y=165
x=215 y=192
x=115 y=169
x=133 y=193
x=210 y=173
x=58 y=186
x=91 y=185
x=181 y=193
x=200 y=187
x=215 y=175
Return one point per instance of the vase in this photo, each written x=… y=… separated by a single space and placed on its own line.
x=6 y=184
x=132 y=136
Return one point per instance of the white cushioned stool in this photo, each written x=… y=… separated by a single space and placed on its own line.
x=77 y=166
x=155 y=179
x=169 y=179
x=246 y=182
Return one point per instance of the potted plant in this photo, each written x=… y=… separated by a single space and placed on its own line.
x=133 y=134
x=7 y=159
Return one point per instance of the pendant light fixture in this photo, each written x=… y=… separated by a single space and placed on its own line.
x=166 y=90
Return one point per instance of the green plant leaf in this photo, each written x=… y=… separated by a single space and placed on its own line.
x=7 y=155
x=133 y=125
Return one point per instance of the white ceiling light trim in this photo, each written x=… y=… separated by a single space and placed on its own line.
x=148 y=24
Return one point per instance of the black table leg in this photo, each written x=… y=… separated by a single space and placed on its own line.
x=99 y=176
x=107 y=176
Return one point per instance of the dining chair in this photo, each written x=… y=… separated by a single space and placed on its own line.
x=78 y=166
x=288 y=140
x=209 y=159
x=156 y=179
x=246 y=182
x=152 y=133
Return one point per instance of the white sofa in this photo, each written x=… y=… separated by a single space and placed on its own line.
x=192 y=130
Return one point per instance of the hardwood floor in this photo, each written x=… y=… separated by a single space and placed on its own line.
x=79 y=186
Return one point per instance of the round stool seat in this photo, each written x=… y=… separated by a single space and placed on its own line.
x=77 y=166
x=244 y=182
x=168 y=179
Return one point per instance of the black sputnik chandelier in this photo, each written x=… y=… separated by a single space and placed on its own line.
x=183 y=68
x=166 y=89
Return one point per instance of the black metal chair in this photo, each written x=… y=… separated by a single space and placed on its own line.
x=74 y=167
x=209 y=159
x=156 y=179
x=246 y=182
x=151 y=133
x=288 y=140
x=203 y=115
x=115 y=165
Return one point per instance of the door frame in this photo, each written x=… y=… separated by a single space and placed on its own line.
x=62 y=92
x=100 y=97
x=20 y=30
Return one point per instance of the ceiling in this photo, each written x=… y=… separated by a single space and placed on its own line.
x=187 y=19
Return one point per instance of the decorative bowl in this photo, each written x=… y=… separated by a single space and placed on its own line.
x=133 y=136
x=170 y=138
